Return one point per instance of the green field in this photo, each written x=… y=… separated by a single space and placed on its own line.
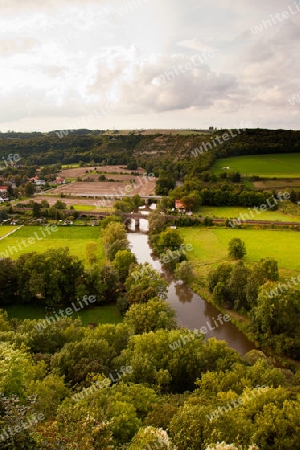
x=224 y=212
x=74 y=237
x=92 y=208
x=5 y=229
x=279 y=166
x=210 y=247
x=96 y=314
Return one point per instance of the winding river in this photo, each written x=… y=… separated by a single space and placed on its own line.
x=192 y=311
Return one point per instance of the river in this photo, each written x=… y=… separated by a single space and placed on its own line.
x=191 y=310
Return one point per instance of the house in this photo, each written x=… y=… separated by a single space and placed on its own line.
x=60 y=180
x=40 y=182
x=179 y=206
x=3 y=190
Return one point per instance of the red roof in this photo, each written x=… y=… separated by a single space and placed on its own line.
x=178 y=204
x=2 y=188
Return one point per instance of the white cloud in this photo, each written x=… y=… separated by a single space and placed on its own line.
x=64 y=58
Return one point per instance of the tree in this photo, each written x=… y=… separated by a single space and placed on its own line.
x=114 y=231
x=29 y=189
x=124 y=259
x=91 y=252
x=102 y=281
x=151 y=438
x=115 y=247
x=8 y=281
x=237 y=287
x=169 y=240
x=151 y=316
x=185 y=271
x=221 y=274
x=60 y=205
x=145 y=283
x=236 y=248
x=157 y=222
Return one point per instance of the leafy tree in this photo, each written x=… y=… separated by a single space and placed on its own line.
x=8 y=281
x=49 y=392
x=29 y=189
x=14 y=412
x=124 y=259
x=221 y=274
x=236 y=248
x=36 y=210
x=151 y=437
x=117 y=246
x=275 y=319
x=60 y=205
x=151 y=316
x=169 y=240
x=157 y=222
x=77 y=359
x=91 y=252
x=237 y=286
x=145 y=283
x=53 y=275
x=103 y=282
x=220 y=293
x=16 y=370
x=185 y=271
x=113 y=232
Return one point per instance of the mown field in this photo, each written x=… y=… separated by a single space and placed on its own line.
x=95 y=314
x=225 y=212
x=74 y=237
x=210 y=248
x=5 y=229
x=280 y=165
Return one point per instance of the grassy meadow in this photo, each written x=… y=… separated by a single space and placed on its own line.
x=5 y=229
x=210 y=248
x=229 y=212
x=74 y=237
x=94 y=314
x=269 y=166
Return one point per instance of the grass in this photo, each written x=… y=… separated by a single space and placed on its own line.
x=83 y=207
x=74 y=237
x=269 y=166
x=93 y=208
x=210 y=248
x=5 y=229
x=96 y=314
x=225 y=212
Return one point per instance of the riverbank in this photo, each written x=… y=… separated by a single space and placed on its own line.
x=192 y=311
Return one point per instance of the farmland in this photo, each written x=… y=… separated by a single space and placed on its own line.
x=210 y=247
x=146 y=187
x=75 y=237
x=225 y=212
x=5 y=229
x=268 y=166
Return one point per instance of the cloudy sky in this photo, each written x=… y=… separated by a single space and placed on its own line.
x=67 y=64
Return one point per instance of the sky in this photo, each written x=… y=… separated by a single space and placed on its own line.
x=142 y=64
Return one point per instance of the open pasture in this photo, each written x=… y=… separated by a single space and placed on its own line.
x=5 y=229
x=210 y=247
x=224 y=212
x=74 y=237
x=283 y=165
